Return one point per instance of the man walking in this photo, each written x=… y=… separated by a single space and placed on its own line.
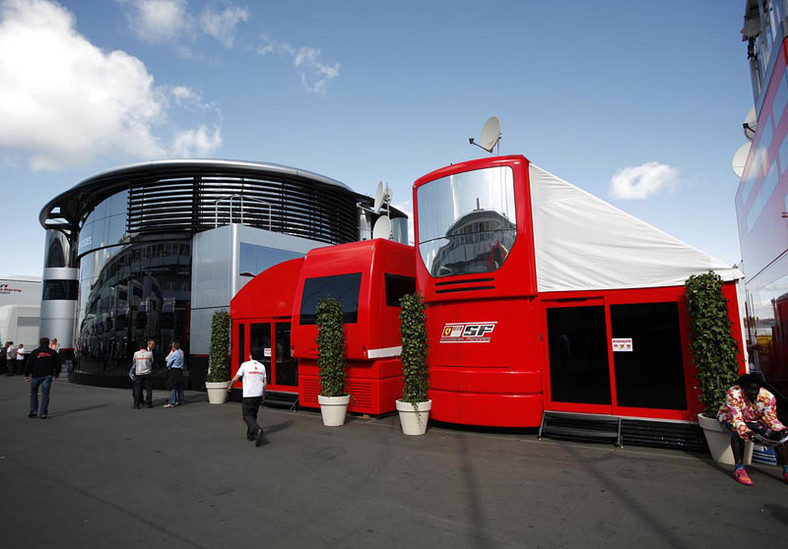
x=143 y=370
x=254 y=381
x=42 y=365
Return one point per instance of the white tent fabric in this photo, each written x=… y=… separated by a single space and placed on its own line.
x=584 y=243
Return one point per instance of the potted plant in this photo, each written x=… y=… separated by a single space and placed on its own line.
x=715 y=355
x=414 y=406
x=333 y=399
x=219 y=359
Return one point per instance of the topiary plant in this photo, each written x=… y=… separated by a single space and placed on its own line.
x=714 y=350
x=413 y=328
x=219 y=358
x=330 y=347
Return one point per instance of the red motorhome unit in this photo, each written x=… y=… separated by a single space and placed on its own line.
x=368 y=278
x=541 y=296
x=261 y=321
x=275 y=313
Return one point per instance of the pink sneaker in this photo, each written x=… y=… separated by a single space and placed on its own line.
x=742 y=477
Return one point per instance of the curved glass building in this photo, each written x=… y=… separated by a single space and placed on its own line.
x=153 y=250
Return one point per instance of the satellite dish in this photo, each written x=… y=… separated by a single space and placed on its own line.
x=750 y=123
x=382 y=228
x=379 y=195
x=740 y=159
x=491 y=135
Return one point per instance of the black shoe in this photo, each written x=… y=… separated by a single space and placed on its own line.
x=44 y=417
x=260 y=439
x=149 y=405
x=32 y=415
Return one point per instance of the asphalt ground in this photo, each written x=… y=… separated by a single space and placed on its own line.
x=97 y=473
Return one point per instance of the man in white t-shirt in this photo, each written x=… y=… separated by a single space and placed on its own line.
x=254 y=382
x=141 y=370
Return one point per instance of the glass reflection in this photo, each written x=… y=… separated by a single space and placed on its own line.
x=767 y=324
x=127 y=295
x=467 y=221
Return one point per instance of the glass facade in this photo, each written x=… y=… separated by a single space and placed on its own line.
x=467 y=221
x=762 y=197
x=120 y=247
x=129 y=294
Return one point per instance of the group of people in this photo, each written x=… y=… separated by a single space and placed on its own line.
x=141 y=373
x=39 y=367
x=254 y=382
x=12 y=358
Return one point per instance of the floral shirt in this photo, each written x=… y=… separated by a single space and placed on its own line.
x=737 y=411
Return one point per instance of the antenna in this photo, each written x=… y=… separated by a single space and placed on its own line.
x=491 y=135
x=750 y=123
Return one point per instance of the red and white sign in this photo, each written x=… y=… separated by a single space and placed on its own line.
x=468 y=332
x=622 y=345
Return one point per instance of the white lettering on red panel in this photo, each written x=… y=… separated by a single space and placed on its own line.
x=468 y=332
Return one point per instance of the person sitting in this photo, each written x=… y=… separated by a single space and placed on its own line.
x=750 y=413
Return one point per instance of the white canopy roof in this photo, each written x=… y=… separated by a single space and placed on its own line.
x=584 y=243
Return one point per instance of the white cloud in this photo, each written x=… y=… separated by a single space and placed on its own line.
x=315 y=74
x=221 y=25
x=64 y=102
x=196 y=142
x=156 y=21
x=641 y=181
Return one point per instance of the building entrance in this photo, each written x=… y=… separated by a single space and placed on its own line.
x=579 y=371
x=271 y=341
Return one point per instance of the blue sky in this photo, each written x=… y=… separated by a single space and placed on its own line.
x=639 y=103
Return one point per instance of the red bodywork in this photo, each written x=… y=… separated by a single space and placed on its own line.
x=504 y=380
x=374 y=370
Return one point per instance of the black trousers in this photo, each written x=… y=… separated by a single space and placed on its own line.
x=143 y=382
x=249 y=409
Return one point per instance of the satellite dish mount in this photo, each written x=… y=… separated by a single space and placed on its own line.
x=490 y=137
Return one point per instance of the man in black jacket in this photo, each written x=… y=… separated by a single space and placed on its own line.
x=42 y=365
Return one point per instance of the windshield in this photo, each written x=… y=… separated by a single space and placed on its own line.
x=467 y=221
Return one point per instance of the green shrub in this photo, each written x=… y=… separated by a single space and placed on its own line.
x=413 y=328
x=714 y=350
x=331 y=347
x=219 y=358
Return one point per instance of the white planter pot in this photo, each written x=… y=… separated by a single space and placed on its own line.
x=414 y=418
x=217 y=391
x=719 y=440
x=333 y=409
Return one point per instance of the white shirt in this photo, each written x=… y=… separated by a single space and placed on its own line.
x=143 y=362
x=20 y=353
x=253 y=378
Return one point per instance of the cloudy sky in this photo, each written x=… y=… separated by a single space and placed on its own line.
x=639 y=103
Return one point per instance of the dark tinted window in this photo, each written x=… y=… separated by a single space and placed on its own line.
x=60 y=289
x=652 y=374
x=344 y=288
x=579 y=370
x=398 y=286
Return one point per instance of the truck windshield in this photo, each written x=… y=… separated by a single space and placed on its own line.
x=467 y=221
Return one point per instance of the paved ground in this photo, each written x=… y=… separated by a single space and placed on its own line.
x=99 y=474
